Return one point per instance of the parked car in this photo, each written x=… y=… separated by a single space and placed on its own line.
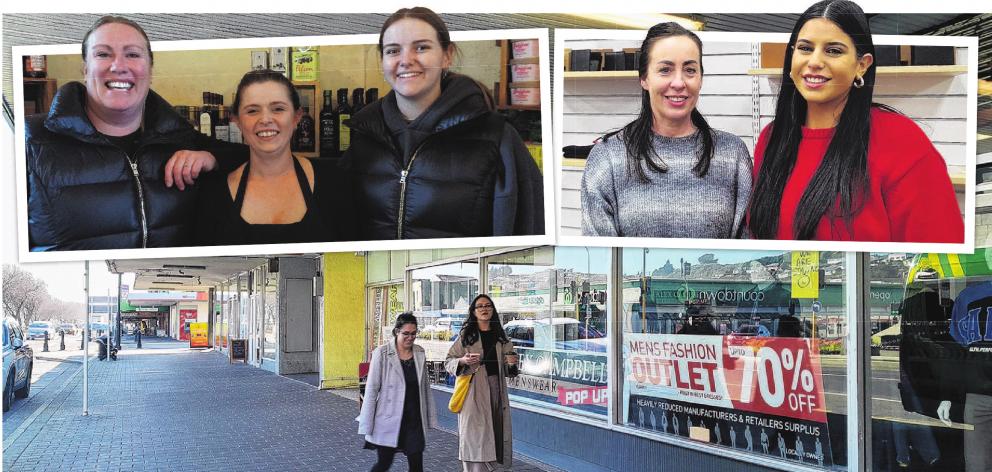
x=445 y=324
x=37 y=330
x=67 y=328
x=18 y=360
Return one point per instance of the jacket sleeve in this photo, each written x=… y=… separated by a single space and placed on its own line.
x=40 y=231
x=745 y=170
x=455 y=352
x=429 y=400
x=509 y=370
x=518 y=203
x=335 y=195
x=599 y=196
x=922 y=205
x=366 y=419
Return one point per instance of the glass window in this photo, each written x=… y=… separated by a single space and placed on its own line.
x=439 y=298
x=377 y=266
x=740 y=349
x=931 y=369
x=552 y=303
x=385 y=303
x=270 y=314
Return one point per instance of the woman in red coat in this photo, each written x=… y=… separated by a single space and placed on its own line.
x=835 y=166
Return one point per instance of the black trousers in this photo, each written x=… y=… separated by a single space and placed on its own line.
x=415 y=460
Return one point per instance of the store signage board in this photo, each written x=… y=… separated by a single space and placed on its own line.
x=573 y=378
x=198 y=335
x=760 y=394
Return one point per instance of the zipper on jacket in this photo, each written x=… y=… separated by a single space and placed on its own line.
x=403 y=174
x=141 y=201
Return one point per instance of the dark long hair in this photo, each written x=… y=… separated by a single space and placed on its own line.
x=637 y=134
x=469 y=333
x=843 y=173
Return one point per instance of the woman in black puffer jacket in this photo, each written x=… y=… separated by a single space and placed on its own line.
x=97 y=163
x=432 y=158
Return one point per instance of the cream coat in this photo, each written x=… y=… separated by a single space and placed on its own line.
x=382 y=410
x=475 y=423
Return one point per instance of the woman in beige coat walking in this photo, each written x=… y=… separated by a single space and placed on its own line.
x=485 y=439
x=398 y=407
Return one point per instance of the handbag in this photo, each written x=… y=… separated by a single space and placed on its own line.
x=462 y=384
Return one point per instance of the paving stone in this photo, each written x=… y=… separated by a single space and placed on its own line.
x=169 y=408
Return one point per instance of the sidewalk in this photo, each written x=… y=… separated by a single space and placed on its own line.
x=169 y=408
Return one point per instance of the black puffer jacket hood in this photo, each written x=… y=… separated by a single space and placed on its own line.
x=462 y=99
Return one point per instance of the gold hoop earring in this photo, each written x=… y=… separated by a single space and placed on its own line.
x=859 y=82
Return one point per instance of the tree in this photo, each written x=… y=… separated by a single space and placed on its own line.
x=58 y=309
x=23 y=294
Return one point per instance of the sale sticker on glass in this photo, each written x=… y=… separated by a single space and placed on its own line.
x=765 y=387
x=805 y=274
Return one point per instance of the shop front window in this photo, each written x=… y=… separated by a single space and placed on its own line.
x=931 y=370
x=270 y=314
x=553 y=306
x=386 y=302
x=739 y=349
x=439 y=297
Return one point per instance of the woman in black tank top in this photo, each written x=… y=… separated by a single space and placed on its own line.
x=275 y=197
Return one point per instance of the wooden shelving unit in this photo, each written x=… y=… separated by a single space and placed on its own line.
x=888 y=70
x=503 y=94
x=601 y=74
x=40 y=91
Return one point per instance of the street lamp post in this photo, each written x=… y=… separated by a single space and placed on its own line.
x=86 y=341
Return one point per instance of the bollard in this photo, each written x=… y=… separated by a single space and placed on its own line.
x=45 y=348
x=62 y=341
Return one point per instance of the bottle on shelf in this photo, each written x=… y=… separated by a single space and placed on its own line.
x=303 y=137
x=342 y=114
x=371 y=95
x=222 y=129
x=357 y=100
x=206 y=117
x=328 y=128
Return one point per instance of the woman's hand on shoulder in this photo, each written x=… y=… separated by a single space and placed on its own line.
x=184 y=167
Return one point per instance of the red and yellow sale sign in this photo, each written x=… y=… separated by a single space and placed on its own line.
x=760 y=394
x=198 y=335
x=779 y=376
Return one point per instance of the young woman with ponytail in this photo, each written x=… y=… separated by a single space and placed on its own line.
x=667 y=173
x=835 y=166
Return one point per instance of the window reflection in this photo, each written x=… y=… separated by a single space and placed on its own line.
x=932 y=362
x=742 y=349
x=552 y=302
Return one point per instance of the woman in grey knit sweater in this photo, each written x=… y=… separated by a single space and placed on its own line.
x=667 y=173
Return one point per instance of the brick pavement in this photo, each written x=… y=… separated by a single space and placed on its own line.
x=168 y=408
